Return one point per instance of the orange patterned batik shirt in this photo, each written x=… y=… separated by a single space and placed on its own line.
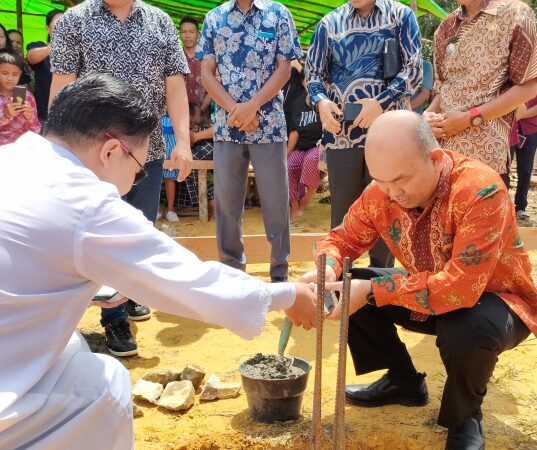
x=464 y=243
x=475 y=62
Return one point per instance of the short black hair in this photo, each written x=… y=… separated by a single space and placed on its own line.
x=98 y=103
x=51 y=14
x=190 y=20
x=10 y=57
x=8 y=42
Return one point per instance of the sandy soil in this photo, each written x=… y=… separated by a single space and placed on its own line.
x=168 y=341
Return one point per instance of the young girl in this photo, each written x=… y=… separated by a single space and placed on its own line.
x=16 y=117
x=170 y=176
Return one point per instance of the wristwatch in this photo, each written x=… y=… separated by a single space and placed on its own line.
x=476 y=118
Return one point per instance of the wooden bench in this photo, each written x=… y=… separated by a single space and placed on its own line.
x=202 y=167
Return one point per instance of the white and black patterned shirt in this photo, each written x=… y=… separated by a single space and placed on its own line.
x=143 y=51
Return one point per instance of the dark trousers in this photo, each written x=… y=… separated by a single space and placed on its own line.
x=348 y=177
x=469 y=341
x=145 y=197
x=524 y=166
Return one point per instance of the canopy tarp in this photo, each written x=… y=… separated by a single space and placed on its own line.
x=306 y=13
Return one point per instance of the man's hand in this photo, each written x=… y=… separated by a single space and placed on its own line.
x=328 y=111
x=303 y=311
x=108 y=305
x=14 y=109
x=521 y=112
x=454 y=122
x=28 y=112
x=358 y=298
x=249 y=127
x=311 y=276
x=181 y=159
x=371 y=109
x=243 y=114
x=433 y=120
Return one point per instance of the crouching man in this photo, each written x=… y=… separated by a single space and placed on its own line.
x=467 y=278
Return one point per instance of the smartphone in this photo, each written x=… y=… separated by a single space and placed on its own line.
x=107 y=294
x=351 y=111
x=19 y=94
x=392 y=62
x=330 y=301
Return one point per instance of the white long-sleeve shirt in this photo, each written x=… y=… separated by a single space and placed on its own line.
x=63 y=234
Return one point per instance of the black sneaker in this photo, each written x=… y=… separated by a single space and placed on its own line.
x=136 y=311
x=278 y=279
x=119 y=339
x=468 y=436
x=389 y=390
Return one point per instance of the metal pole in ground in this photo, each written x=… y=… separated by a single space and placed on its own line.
x=339 y=416
x=316 y=420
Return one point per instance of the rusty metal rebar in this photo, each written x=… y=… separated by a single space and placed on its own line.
x=317 y=388
x=339 y=415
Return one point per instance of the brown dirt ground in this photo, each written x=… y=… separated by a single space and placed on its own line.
x=168 y=341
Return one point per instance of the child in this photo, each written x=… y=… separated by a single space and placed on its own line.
x=16 y=118
x=202 y=149
x=170 y=176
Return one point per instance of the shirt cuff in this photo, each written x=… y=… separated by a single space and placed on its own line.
x=283 y=296
x=380 y=294
x=318 y=97
x=385 y=99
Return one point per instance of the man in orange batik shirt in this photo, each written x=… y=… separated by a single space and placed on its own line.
x=467 y=278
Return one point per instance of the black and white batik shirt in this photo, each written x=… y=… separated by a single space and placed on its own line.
x=143 y=51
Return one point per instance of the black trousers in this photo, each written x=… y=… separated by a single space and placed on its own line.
x=469 y=341
x=525 y=156
x=348 y=177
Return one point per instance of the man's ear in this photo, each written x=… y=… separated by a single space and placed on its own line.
x=437 y=158
x=108 y=150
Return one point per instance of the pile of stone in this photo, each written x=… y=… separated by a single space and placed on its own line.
x=175 y=389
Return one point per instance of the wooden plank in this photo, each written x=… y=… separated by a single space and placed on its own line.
x=203 y=164
x=257 y=248
x=529 y=237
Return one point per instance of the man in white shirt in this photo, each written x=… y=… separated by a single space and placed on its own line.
x=64 y=232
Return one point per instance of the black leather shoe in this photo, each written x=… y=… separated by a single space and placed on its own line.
x=468 y=436
x=389 y=390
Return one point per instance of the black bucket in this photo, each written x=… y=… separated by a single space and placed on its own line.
x=276 y=400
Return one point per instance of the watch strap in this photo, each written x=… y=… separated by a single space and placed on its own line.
x=474 y=112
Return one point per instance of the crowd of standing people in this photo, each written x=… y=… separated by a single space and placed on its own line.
x=240 y=92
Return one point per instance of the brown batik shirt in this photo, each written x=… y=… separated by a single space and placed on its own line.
x=476 y=61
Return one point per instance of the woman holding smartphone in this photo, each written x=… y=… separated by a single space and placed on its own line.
x=17 y=105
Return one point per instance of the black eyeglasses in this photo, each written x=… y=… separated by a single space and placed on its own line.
x=141 y=174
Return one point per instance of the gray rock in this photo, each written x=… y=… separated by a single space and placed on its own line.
x=193 y=373
x=177 y=396
x=147 y=390
x=163 y=376
x=215 y=389
x=137 y=411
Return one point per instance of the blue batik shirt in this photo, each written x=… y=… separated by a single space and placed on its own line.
x=345 y=57
x=247 y=47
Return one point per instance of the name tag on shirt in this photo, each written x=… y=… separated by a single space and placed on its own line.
x=266 y=35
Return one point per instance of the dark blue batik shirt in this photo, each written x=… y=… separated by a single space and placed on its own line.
x=344 y=62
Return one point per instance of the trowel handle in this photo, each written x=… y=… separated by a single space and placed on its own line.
x=284 y=335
